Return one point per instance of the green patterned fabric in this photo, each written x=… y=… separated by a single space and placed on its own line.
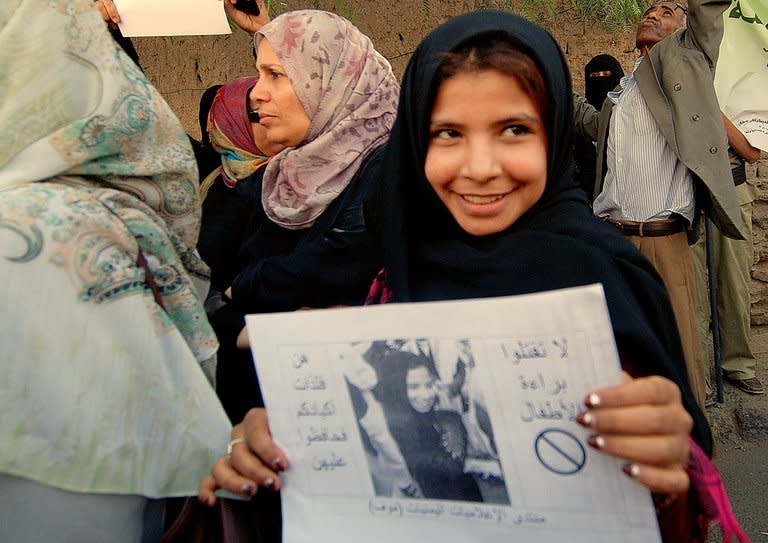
x=102 y=389
x=71 y=102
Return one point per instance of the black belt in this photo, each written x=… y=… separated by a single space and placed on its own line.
x=661 y=227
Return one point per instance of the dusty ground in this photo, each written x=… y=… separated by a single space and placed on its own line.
x=740 y=428
x=183 y=67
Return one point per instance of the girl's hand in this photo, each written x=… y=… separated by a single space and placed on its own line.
x=243 y=341
x=642 y=421
x=254 y=460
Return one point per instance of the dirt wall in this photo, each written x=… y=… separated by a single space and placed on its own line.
x=183 y=67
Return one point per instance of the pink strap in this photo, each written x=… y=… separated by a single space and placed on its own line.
x=379 y=293
x=712 y=494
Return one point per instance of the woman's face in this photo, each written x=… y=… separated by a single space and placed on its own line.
x=260 y=136
x=487 y=154
x=280 y=111
x=421 y=389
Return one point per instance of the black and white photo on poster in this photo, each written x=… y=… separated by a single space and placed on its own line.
x=425 y=428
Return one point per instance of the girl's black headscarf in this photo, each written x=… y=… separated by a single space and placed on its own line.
x=558 y=243
x=433 y=444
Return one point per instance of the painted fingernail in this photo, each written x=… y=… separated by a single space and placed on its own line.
x=586 y=419
x=248 y=490
x=269 y=483
x=204 y=500
x=279 y=465
x=596 y=441
x=593 y=400
x=631 y=469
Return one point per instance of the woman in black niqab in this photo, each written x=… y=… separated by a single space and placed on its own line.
x=601 y=75
x=557 y=243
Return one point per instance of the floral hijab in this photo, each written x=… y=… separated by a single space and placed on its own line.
x=349 y=93
x=92 y=112
x=75 y=110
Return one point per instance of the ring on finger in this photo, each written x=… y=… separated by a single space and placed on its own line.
x=233 y=443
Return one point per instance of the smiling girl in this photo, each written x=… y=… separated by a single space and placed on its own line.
x=478 y=199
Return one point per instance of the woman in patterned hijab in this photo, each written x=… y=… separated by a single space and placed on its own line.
x=348 y=91
x=104 y=402
x=329 y=98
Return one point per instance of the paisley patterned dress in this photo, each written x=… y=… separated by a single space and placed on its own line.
x=104 y=342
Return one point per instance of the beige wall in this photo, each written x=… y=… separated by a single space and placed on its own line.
x=183 y=67
x=759 y=172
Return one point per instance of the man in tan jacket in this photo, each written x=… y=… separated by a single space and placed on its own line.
x=662 y=153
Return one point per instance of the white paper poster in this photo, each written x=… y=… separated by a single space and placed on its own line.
x=172 y=17
x=447 y=421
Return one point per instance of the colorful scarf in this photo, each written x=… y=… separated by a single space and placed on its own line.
x=349 y=93
x=92 y=112
x=230 y=131
x=104 y=332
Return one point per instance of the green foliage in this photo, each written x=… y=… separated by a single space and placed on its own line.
x=617 y=15
x=539 y=10
x=614 y=14
x=346 y=8
x=275 y=7
x=349 y=9
x=504 y=5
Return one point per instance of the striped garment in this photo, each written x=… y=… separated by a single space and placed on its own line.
x=645 y=180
